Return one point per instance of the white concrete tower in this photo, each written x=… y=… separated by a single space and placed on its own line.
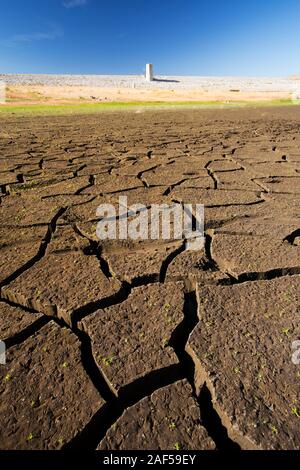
x=149 y=72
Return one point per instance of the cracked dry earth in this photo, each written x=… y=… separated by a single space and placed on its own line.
x=140 y=344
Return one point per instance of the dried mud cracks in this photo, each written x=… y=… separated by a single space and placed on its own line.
x=143 y=345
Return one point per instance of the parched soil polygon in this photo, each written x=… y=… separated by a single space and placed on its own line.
x=169 y=419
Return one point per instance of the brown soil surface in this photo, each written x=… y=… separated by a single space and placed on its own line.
x=168 y=419
x=126 y=351
x=47 y=397
x=126 y=344
x=241 y=347
x=16 y=321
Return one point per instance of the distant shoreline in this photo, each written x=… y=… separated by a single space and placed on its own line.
x=160 y=81
x=47 y=89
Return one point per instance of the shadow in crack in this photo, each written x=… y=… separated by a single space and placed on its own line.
x=212 y=422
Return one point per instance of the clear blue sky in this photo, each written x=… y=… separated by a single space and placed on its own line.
x=181 y=37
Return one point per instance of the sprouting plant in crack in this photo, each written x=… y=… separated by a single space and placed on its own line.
x=259 y=376
x=177 y=446
x=35 y=403
x=30 y=436
x=286 y=296
x=207 y=355
x=285 y=331
x=7 y=378
x=295 y=411
x=273 y=429
x=37 y=293
x=107 y=361
x=65 y=365
x=172 y=425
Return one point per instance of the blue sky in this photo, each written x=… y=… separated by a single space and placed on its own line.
x=180 y=37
